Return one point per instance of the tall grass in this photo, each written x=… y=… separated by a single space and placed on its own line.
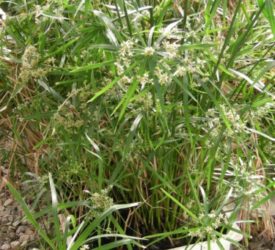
x=67 y=234
x=163 y=102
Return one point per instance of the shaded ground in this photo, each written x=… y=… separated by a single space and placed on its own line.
x=15 y=233
x=258 y=243
x=261 y=244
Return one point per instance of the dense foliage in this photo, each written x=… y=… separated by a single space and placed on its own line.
x=167 y=103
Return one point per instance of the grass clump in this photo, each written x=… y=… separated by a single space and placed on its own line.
x=170 y=104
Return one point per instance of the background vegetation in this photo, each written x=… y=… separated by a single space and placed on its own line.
x=167 y=103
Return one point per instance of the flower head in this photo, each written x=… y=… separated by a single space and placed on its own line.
x=149 y=51
x=126 y=49
x=3 y=15
x=163 y=77
x=85 y=247
x=144 y=79
x=180 y=71
x=171 y=49
x=125 y=80
x=119 y=68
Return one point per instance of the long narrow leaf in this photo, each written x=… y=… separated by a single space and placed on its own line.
x=29 y=215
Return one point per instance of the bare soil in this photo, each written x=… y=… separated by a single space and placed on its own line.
x=15 y=232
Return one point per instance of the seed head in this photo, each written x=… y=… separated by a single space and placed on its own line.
x=149 y=51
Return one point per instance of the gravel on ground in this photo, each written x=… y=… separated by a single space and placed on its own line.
x=15 y=232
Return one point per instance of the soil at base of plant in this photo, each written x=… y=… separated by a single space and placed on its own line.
x=15 y=233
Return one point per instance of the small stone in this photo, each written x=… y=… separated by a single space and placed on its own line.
x=15 y=244
x=16 y=223
x=8 y=202
x=5 y=171
x=24 y=222
x=24 y=238
x=10 y=218
x=32 y=237
x=5 y=247
x=4 y=228
x=13 y=235
x=21 y=229
x=29 y=231
x=24 y=243
x=4 y=221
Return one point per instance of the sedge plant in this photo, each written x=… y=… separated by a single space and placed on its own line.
x=156 y=99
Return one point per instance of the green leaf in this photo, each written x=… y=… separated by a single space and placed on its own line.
x=114 y=245
x=29 y=215
x=126 y=99
x=110 y=85
x=96 y=223
x=268 y=12
x=91 y=66
x=180 y=205
x=57 y=226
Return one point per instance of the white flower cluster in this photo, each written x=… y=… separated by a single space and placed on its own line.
x=210 y=222
x=170 y=65
x=138 y=17
x=215 y=220
x=264 y=110
x=246 y=182
x=30 y=65
x=168 y=62
x=194 y=67
x=180 y=71
x=125 y=55
x=3 y=16
x=100 y=202
x=85 y=247
x=236 y=123
x=149 y=51
x=126 y=49
x=171 y=49
x=215 y=121
x=144 y=102
x=144 y=80
x=164 y=78
x=124 y=81
x=172 y=34
x=40 y=13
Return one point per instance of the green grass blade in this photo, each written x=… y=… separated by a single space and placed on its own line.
x=110 y=85
x=96 y=223
x=268 y=12
x=114 y=245
x=57 y=226
x=90 y=67
x=180 y=205
x=29 y=215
